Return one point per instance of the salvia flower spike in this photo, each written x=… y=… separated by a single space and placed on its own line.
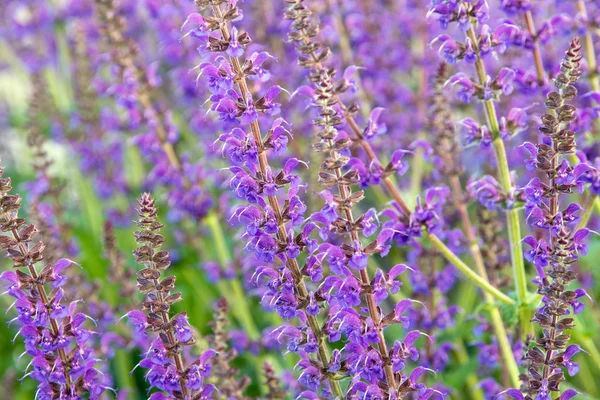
x=553 y=256
x=167 y=370
x=269 y=224
x=54 y=333
x=364 y=216
x=411 y=225
x=338 y=219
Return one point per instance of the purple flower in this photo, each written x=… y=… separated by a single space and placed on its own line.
x=234 y=49
x=466 y=87
x=488 y=191
x=374 y=128
x=50 y=329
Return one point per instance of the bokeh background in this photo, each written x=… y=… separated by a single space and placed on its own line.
x=389 y=39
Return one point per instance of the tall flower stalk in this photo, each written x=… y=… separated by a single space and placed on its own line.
x=468 y=16
x=446 y=149
x=134 y=92
x=315 y=56
x=167 y=370
x=89 y=131
x=269 y=225
x=338 y=216
x=123 y=53
x=341 y=206
x=54 y=334
x=535 y=49
x=554 y=255
x=385 y=174
x=183 y=177
x=512 y=215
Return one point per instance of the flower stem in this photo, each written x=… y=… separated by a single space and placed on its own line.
x=468 y=272
x=345 y=192
x=114 y=35
x=510 y=364
x=480 y=279
x=512 y=216
x=537 y=55
x=282 y=234
x=397 y=197
x=505 y=348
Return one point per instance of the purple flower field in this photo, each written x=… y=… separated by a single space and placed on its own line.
x=300 y=199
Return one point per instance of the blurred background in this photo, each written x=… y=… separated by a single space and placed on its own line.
x=79 y=155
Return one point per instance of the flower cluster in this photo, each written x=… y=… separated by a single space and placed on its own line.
x=167 y=370
x=553 y=256
x=55 y=334
x=91 y=131
x=334 y=175
x=379 y=371
x=269 y=226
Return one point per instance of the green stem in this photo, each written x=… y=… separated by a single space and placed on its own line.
x=468 y=272
x=509 y=366
x=512 y=216
x=506 y=350
x=516 y=247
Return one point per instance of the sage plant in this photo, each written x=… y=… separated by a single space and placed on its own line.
x=134 y=92
x=384 y=376
x=269 y=226
x=381 y=226
x=167 y=370
x=554 y=255
x=55 y=334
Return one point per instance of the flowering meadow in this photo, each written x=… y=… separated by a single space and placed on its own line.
x=299 y=199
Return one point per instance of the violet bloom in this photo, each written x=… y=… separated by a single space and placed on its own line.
x=554 y=255
x=273 y=208
x=132 y=90
x=360 y=320
x=53 y=333
x=164 y=361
